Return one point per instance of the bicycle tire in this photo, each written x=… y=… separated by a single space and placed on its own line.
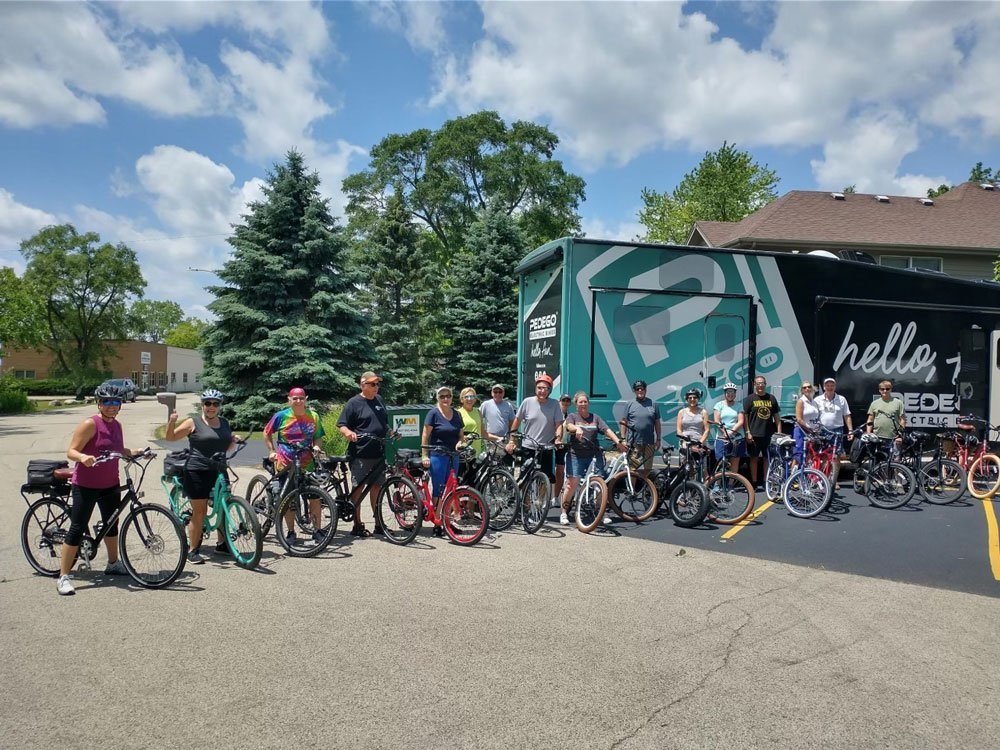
x=941 y=482
x=465 y=516
x=591 y=503
x=890 y=485
x=43 y=530
x=180 y=505
x=400 y=509
x=775 y=480
x=260 y=500
x=731 y=498
x=243 y=534
x=499 y=489
x=634 y=504
x=535 y=497
x=688 y=504
x=807 y=493
x=307 y=541
x=153 y=546
x=984 y=476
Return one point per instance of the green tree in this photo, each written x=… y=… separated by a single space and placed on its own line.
x=483 y=314
x=939 y=190
x=981 y=174
x=446 y=176
x=149 y=320
x=85 y=288
x=188 y=334
x=285 y=316
x=727 y=185
x=850 y=190
x=403 y=295
x=22 y=322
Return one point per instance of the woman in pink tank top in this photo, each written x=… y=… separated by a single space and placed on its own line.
x=94 y=485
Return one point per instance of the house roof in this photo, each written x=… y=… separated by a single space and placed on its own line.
x=967 y=216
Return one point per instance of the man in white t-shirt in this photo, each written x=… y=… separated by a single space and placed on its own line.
x=834 y=415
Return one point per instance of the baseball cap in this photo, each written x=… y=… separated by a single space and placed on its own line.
x=829 y=380
x=369 y=376
x=565 y=397
x=297 y=392
x=497 y=387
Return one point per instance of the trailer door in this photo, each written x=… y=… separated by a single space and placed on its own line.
x=973 y=379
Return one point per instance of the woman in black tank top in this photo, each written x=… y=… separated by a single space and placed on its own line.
x=207 y=434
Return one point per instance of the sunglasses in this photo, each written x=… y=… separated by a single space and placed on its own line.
x=444 y=395
x=111 y=402
x=469 y=398
x=371 y=382
x=885 y=389
x=211 y=403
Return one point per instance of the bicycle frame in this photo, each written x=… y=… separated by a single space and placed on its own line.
x=218 y=500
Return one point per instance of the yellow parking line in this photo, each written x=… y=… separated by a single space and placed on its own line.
x=992 y=536
x=746 y=521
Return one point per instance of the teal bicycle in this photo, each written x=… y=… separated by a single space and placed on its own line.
x=241 y=528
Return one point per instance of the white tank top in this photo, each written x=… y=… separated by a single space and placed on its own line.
x=810 y=412
x=692 y=425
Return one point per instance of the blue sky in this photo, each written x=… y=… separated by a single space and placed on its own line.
x=154 y=123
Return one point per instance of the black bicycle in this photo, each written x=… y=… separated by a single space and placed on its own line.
x=151 y=541
x=494 y=481
x=878 y=475
x=683 y=487
x=939 y=479
x=533 y=484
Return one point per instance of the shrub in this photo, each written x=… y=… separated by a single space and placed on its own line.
x=13 y=399
x=334 y=443
x=48 y=387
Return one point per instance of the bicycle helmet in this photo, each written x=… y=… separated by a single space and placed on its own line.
x=210 y=394
x=106 y=390
x=544 y=378
x=730 y=387
x=693 y=392
x=638 y=384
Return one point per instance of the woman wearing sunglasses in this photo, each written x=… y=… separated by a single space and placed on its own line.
x=207 y=433
x=472 y=420
x=806 y=419
x=94 y=485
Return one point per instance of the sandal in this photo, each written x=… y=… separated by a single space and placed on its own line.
x=360 y=531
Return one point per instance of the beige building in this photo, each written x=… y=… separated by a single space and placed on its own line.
x=153 y=366
x=957 y=233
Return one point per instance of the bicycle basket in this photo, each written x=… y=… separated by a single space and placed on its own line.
x=41 y=471
x=857 y=449
x=174 y=463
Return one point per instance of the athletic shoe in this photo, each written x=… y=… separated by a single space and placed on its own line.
x=608 y=520
x=222 y=549
x=292 y=538
x=65 y=586
x=564 y=519
x=117 y=568
x=318 y=536
x=195 y=557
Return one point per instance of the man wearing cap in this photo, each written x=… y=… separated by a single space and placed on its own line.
x=498 y=415
x=640 y=428
x=297 y=425
x=542 y=420
x=365 y=413
x=834 y=415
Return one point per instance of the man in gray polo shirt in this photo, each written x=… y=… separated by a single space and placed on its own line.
x=542 y=423
x=640 y=427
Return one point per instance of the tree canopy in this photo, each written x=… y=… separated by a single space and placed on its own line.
x=22 y=322
x=84 y=287
x=150 y=320
x=188 y=334
x=727 y=185
x=285 y=316
x=978 y=174
x=446 y=176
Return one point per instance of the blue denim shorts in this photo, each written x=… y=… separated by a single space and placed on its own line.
x=576 y=466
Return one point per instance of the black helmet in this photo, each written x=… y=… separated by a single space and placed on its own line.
x=693 y=392
x=106 y=390
x=638 y=384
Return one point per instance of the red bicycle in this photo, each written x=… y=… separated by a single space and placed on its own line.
x=406 y=502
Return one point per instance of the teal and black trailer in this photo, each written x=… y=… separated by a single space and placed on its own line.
x=596 y=315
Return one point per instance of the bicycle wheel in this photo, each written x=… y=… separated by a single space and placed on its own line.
x=307 y=537
x=807 y=493
x=941 y=482
x=890 y=485
x=499 y=489
x=635 y=499
x=775 y=479
x=984 y=476
x=535 y=501
x=465 y=516
x=731 y=498
x=259 y=498
x=243 y=534
x=591 y=502
x=688 y=504
x=400 y=510
x=180 y=506
x=42 y=532
x=153 y=546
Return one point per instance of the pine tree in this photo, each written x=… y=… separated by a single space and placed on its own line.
x=402 y=293
x=483 y=314
x=286 y=316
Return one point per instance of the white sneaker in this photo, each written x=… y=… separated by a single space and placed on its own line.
x=117 y=568
x=65 y=586
x=564 y=519
x=608 y=520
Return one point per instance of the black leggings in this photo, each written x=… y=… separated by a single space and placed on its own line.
x=84 y=500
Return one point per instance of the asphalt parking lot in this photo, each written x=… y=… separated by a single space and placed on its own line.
x=645 y=636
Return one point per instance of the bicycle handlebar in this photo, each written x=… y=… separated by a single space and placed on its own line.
x=147 y=453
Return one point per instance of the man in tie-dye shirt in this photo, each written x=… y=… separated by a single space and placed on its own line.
x=298 y=425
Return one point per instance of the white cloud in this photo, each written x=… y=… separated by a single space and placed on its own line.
x=618 y=79
x=598 y=229
x=420 y=23
x=18 y=222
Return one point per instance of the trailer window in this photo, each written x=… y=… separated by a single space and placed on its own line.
x=641 y=325
x=725 y=342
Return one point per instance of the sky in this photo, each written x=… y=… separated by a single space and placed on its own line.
x=155 y=123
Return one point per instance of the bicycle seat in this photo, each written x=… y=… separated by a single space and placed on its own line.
x=332 y=462
x=62 y=475
x=407 y=453
x=871 y=437
x=779 y=439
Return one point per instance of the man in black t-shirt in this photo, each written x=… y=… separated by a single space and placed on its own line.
x=763 y=420
x=365 y=414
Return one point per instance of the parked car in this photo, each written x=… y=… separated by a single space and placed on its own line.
x=125 y=385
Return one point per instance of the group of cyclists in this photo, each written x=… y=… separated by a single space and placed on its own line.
x=564 y=444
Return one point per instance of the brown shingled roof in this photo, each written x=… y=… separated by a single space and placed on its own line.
x=967 y=216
